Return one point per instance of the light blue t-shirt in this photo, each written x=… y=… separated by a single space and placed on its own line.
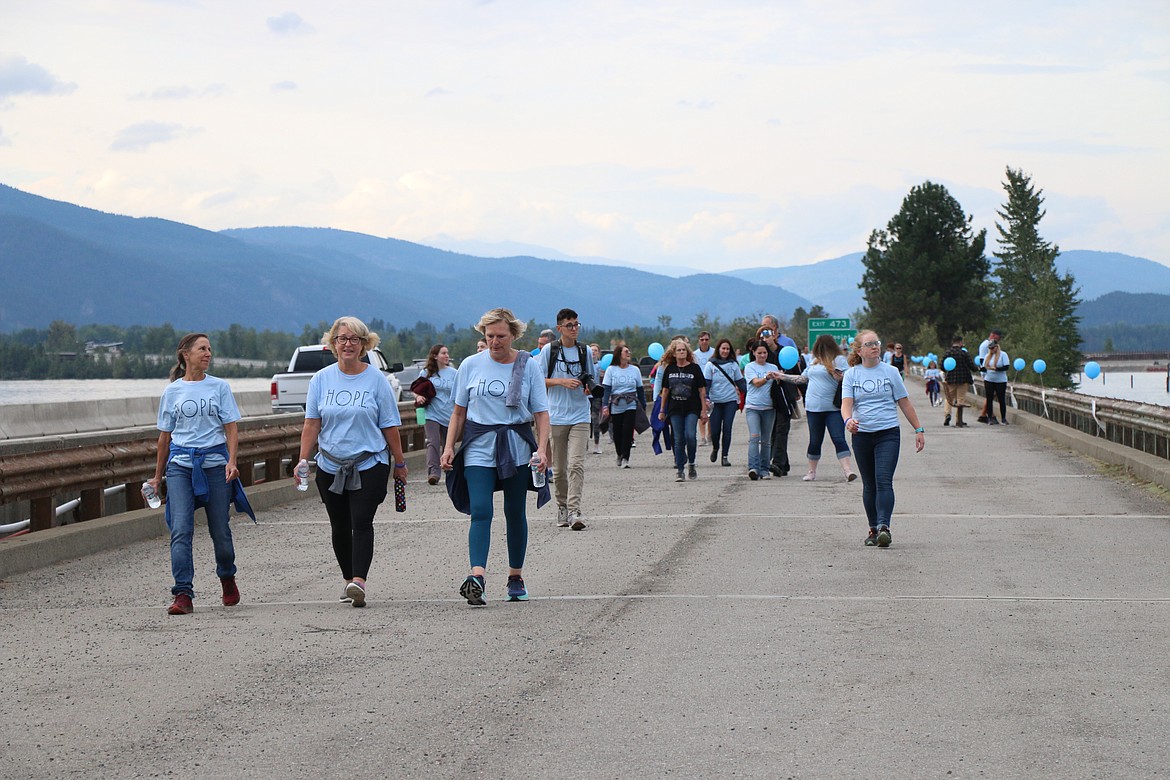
x=759 y=397
x=481 y=387
x=440 y=408
x=719 y=389
x=702 y=357
x=822 y=386
x=998 y=372
x=353 y=410
x=875 y=393
x=194 y=413
x=623 y=380
x=567 y=406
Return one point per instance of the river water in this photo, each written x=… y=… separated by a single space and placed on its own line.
x=47 y=391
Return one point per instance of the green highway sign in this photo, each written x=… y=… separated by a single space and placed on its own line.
x=840 y=328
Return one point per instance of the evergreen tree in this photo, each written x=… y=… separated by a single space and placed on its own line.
x=1035 y=306
x=926 y=269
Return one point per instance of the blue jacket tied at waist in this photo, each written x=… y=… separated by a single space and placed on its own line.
x=199 y=479
x=505 y=461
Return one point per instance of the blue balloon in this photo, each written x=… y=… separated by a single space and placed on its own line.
x=1039 y=366
x=1018 y=364
x=1092 y=369
x=949 y=364
x=978 y=360
x=656 y=351
x=789 y=357
x=606 y=360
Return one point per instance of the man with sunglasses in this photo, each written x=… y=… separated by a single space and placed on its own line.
x=569 y=377
x=704 y=353
x=785 y=396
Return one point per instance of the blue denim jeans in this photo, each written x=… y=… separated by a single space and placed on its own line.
x=760 y=422
x=481 y=485
x=876 y=455
x=181 y=499
x=818 y=423
x=682 y=429
x=722 y=419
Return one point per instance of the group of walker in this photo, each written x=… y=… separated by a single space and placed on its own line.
x=497 y=407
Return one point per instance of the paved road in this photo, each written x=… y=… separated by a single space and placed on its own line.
x=720 y=628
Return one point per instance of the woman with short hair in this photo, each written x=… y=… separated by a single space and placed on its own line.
x=499 y=395
x=352 y=420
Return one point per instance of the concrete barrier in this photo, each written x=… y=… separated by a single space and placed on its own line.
x=20 y=421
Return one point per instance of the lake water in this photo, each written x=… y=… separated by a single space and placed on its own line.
x=1145 y=386
x=57 y=390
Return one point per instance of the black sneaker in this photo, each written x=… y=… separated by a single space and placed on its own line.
x=691 y=473
x=871 y=540
x=992 y=421
x=680 y=477
x=472 y=589
x=753 y=475
x=516 y=589
x=947 y=420
x=714 y=452
x=883 y=536
x=981 y=418
x=726 y=462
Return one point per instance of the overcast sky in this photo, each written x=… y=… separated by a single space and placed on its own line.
x=713 y=135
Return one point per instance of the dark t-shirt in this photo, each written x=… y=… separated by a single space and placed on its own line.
x=682 y=389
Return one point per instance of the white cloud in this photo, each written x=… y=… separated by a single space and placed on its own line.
x=18 y=76
x=139 y=136
x=288 y=23
x=284 y=86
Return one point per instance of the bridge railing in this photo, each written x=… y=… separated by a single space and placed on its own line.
x=43 y=471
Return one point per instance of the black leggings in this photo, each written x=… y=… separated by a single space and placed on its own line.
x=622 y=427
x=996 y=390
x=351 y=514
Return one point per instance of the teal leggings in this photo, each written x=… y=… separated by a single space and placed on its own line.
x=481 y=483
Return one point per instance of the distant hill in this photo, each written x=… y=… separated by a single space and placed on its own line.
x=62 y=261
x=1126 y=308
x=834 y=283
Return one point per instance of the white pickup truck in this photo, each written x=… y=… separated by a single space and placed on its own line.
x=289 y=388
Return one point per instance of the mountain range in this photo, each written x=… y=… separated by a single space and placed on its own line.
x=68 y=262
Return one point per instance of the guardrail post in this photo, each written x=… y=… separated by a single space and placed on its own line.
x=247 y=475
x=134 y=499
x=42 y=511
x=272 y=469
x=93 y=503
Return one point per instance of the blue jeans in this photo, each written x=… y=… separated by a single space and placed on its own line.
x=481 y=486
x=181 y=500
x=818 y=422
x=760 y=422
x=722 y=418
x=682 y=429
x=877 y=458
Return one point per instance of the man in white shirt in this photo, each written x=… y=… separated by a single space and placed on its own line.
x=704 y=353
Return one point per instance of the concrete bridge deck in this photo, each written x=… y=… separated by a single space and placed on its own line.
x=1018 y=627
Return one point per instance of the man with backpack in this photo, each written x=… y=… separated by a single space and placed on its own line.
x=570 y=376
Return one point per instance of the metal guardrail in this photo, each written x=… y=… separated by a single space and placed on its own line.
x=41 y=472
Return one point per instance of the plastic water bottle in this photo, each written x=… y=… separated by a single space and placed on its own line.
x=301 y=473
x=152 y=499
x=537 y=474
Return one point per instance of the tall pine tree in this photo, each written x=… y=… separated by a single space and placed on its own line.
x=1035 y=305
x=926 y=270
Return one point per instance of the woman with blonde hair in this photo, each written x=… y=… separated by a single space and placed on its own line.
x=499 y=395
x=872 y=392
x=684 y=403
x=352 y=420
x=820 y=405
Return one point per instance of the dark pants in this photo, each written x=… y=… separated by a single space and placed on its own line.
x=622 y=426
x=722 y=418
x=780 y=430
x=682 y=430
x=351 y=515
x=995 y=390
x=877 y=459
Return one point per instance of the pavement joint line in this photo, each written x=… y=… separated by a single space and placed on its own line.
x=692 y=516
x=243 y=608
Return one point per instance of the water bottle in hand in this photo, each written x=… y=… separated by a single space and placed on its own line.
x=152 y=499
x=399 y=495
x=301 y=472
x=537 y=473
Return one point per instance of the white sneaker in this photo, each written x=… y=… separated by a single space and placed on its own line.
x=357 y=593
x=563 y=517
x=625 y=463
x=578 y=522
